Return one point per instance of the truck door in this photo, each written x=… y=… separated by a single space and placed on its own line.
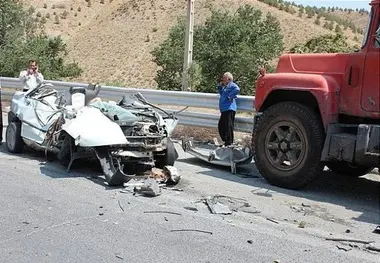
x=370 y=99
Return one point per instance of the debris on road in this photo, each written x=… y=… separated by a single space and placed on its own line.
x=302 y=224
x=191 y=208
x=377 y=230
x=373 y=247
x=119 y=257
x=191 y=230
x=173 y=189
x=265 y=194
x=306 y=205
x=344 y=248
x=349 y=240
x=162 y=212
x=250 y=241
x=272 y=220
x=122 y=209
x=348 y=231
x=151 y=183
x=221 y=204
x=150 y=188
x=217 y=207
x=229 y=156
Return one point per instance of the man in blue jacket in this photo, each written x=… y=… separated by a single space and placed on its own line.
x=228 y=91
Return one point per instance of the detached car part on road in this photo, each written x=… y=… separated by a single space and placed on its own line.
x=124 y=136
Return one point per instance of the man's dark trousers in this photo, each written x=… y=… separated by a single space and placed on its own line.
x=226 y=126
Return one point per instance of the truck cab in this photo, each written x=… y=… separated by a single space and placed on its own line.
x=320 y=110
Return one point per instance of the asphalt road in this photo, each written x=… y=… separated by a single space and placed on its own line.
x=48 y=215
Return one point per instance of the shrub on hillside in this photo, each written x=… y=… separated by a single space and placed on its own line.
x=239 y=43
x=325 y=44
x=25 y=40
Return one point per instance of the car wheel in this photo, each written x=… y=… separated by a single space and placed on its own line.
x=288 y=142
x=64 y=154
x=345 y=168
x=14 y=141
x=169 y=156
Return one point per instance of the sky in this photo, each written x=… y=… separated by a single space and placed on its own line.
x=341 y=3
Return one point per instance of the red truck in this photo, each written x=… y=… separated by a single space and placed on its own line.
x=320 y=110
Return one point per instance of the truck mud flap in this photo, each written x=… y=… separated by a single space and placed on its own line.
x=112 y=169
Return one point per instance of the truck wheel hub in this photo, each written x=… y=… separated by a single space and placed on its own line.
x=285 y=146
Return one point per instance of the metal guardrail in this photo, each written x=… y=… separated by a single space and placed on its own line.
x=160 y=97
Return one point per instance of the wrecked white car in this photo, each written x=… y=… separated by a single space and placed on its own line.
x=124 y=137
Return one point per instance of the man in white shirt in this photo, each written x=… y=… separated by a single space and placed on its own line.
x=31 y=77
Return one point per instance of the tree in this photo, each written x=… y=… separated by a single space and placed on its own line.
x=22 y=38
x=239 y=43
x=325 y=44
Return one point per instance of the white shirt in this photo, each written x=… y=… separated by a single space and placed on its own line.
x=32 y=80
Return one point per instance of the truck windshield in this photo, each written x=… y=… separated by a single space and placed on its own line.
x=367 y=28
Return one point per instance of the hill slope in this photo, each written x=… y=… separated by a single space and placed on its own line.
x=112 y=39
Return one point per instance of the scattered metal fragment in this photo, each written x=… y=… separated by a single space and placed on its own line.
x=250 y=241
x=216 y=207
x=150 y=188
x=26 y=223
x=306 y=205
x=302 y=224
x=166 y=219
x=250 y=210
x=119 y=257
x=266 y=194
x=272 y=220
x=118 y=201
x=191 y=230
x=191 y=208
x=343 y=248
x=348 y=231
x=173 y=189
x=162 y=212
x=373 y=247
x=101 y=214
x=377 y=230
x=124 y=191
x=349 y=240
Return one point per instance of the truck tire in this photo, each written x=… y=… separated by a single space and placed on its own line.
x=345 y=168
x=14 y=141
x=287 y=144
x=169 y=157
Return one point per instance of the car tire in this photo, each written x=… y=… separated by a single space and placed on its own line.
x=64 y=155
x=169 y=156
x=14 y=141
x=345 y=168
x=300 y=145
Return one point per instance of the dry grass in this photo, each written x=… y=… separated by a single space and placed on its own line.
x=109 y=39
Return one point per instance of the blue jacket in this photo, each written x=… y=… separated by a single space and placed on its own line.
x=228 y=96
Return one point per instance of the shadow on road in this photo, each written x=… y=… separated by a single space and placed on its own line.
x=51 y=167
x=356 y=194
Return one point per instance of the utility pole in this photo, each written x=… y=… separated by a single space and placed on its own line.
x=188 y=54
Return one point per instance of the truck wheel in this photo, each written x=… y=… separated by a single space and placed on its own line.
x=288 y=141
x=345 y=168
x=169 y=156
x=14 y=141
